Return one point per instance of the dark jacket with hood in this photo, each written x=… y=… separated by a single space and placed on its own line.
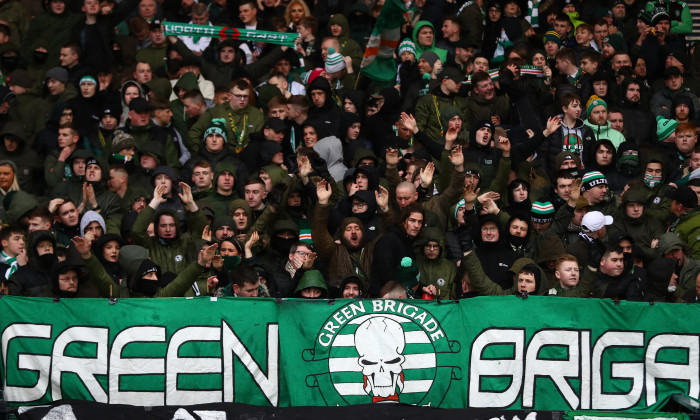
x=616 y=182
x=29 y=169
x=329 y=114
x=309 y=279
x=34 y=279
x=388 y=252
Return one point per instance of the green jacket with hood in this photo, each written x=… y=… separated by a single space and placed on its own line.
x=188 y=81
x=440 y=272
x=170 y=255
x=220 y=203
x=441 y=53
x=56 y=29
x=348 y=46
x=312 y=278
x=606 y=132
x=486 y=286
x=657 y=205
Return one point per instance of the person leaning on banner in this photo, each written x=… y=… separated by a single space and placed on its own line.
x=618 y=277
x=143 y=275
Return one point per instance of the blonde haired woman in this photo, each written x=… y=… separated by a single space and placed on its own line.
x=296 y=9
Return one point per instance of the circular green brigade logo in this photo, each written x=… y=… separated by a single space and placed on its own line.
x=381 y=351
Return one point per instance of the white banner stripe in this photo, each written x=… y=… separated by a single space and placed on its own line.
x=350 y=364
x=412 y=337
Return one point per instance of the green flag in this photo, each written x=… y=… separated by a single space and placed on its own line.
x=378 y=62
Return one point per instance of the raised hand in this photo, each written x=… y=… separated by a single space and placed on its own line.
x=206 y=233
x=490 y=195
x=504 y=145
x=304 y=166
x=207 y=254
x=409 y=122
x=82 y=246
x=553 y=124
x=451 y=137
x=309 y=263
x=323 y=192
x=470 y=194
x=217 y=262
x=426 y=175
x=254 y=238
x=212 y=282
x=158 y=199
x=186 y=197
x=457 y=158
x=382 y=198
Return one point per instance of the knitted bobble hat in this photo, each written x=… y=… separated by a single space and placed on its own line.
x=334 y=61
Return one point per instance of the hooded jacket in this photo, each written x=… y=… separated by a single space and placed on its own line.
x=656 y=205
x=29 y=168
x=171 y=255
x=328 y=114
x=331 y=150
x=348 y=46
x=311 y=278
x=430 y=109
x=441 y=53
x=606 y=132
x=440 y=272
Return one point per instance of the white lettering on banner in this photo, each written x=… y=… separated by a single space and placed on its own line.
x=26 y=362
x=557 y=370
x=119 y=366
x=176 y=365
x=512 y=368
x=630 y=362
x=85 y=367
x=231 y=344
x=633 y=371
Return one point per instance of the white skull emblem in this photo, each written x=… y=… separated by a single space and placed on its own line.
x=380 y=342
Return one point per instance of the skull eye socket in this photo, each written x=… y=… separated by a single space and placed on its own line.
x=368 y=363
x=392 y=361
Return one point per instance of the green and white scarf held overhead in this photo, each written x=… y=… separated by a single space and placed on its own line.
x=186 y=29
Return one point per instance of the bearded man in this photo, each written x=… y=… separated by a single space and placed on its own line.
x=353 y=255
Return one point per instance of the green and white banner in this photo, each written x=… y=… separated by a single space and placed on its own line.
x=539 y=353
x=242 y=34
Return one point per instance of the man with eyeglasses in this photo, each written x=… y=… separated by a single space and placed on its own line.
x=240 y=118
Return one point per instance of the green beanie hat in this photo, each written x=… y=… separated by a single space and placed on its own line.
x=551 y=36
x=593 y=102
x=664 y=127
x=542 y=212
x=218 y=126
x=591 y=179
x=407 y=45
x=407 y=273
